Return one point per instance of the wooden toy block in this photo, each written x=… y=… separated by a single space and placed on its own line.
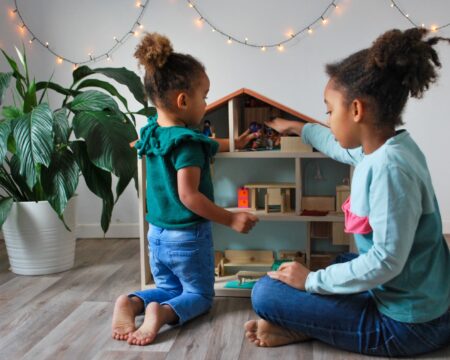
x=321 y=203
x=292 y=255
x=249 y=275
x=321 y=230
x=278 y=194
x=339 y=236
x=342 y=193
x=243 y=197
x=274 y=197
x=294 y=144
x=243 y=259
x=218 y=256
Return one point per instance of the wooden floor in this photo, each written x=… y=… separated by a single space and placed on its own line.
x=68 y=316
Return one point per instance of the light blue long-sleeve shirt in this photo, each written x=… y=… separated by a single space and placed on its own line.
x=405 y=261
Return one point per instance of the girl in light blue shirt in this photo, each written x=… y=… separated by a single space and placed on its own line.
x=393 y=298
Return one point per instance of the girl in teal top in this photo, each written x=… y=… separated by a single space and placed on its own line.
x=393 y=298
x=180 y=200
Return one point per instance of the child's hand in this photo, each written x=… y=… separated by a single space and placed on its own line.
x=291 y=273
x=245 y=138
x=285 y=127
x=243 y=222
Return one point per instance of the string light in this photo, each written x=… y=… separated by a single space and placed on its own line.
x=106 y=55
x=280 y=45
x=433 y=28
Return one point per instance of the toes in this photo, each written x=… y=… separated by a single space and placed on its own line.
x=251 y=325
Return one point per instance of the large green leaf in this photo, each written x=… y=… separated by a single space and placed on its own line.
x=93 y=100
x=16 y=73
x=61 y=126
x=107 y=136
x=30 y=100
x=33 y=133
x=11 y=112
x=23 y=59
x=43 y=85
x=5 y=208
x=20 y=180
x=105 y=86
x=97 y=180
x=5 y=79
x=5 y=130
x=147 y=111
x=60 y=179
x=121 y=75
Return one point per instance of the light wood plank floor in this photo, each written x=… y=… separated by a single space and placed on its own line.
x=68 y=316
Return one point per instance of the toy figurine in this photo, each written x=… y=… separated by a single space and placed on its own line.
x=207 y=129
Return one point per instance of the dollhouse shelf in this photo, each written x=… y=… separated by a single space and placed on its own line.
x=219 y=287
x=271 y=154
x=291 y=216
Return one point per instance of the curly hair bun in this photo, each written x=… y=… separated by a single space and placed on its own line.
x=153 y=51
x=406 y=56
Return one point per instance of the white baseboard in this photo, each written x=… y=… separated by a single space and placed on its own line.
x=130 y=230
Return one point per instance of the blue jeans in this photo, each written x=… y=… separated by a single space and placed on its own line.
x=350 y=322
x=182 y=265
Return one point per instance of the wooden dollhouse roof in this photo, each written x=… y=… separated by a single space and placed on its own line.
x=224 y=101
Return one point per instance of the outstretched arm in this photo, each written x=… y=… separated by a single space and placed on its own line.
x=318 y=136
x=240 y=142
x=188 y=182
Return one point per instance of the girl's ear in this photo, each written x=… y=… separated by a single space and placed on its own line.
x=181 y=100
x=357 y=110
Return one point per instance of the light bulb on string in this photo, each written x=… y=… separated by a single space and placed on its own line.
x=59 y=60
x=263 y=48
x=280 y=47
x=324 y=20
x=229 y=41
x=310 y=31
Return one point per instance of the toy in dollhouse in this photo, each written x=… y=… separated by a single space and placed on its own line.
x=208 y=130
x=268 y=138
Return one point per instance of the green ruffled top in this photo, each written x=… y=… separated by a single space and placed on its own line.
x=167 y=150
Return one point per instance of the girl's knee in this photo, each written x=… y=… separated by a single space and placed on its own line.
x=262 y=295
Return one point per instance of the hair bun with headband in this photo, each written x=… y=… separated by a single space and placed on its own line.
x=153 y=51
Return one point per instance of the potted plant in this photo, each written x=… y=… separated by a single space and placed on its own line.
x=44 y=151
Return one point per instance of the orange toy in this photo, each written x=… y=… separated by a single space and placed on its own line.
x=243 y=197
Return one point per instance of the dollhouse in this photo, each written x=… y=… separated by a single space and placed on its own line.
x=279 y=202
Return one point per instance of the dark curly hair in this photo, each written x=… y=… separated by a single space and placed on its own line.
x=166 y=70
x=398 y=64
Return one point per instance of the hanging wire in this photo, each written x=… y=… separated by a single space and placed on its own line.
x=106 y=55
x=408 y=17
x=263 y=46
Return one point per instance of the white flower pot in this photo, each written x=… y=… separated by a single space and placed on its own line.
x=37 y=241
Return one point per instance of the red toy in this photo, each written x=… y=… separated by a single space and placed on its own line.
x=243 y=197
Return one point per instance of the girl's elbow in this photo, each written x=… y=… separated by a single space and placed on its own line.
x=187 y=199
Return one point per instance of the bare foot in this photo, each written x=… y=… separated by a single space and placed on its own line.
x=263 y=333
x=125 y=310
x=156 y=316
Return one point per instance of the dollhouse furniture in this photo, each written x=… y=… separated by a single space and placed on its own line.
x=229 y=117
x=277 y=194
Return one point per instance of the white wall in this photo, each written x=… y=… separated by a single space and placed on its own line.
x=294 y=77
